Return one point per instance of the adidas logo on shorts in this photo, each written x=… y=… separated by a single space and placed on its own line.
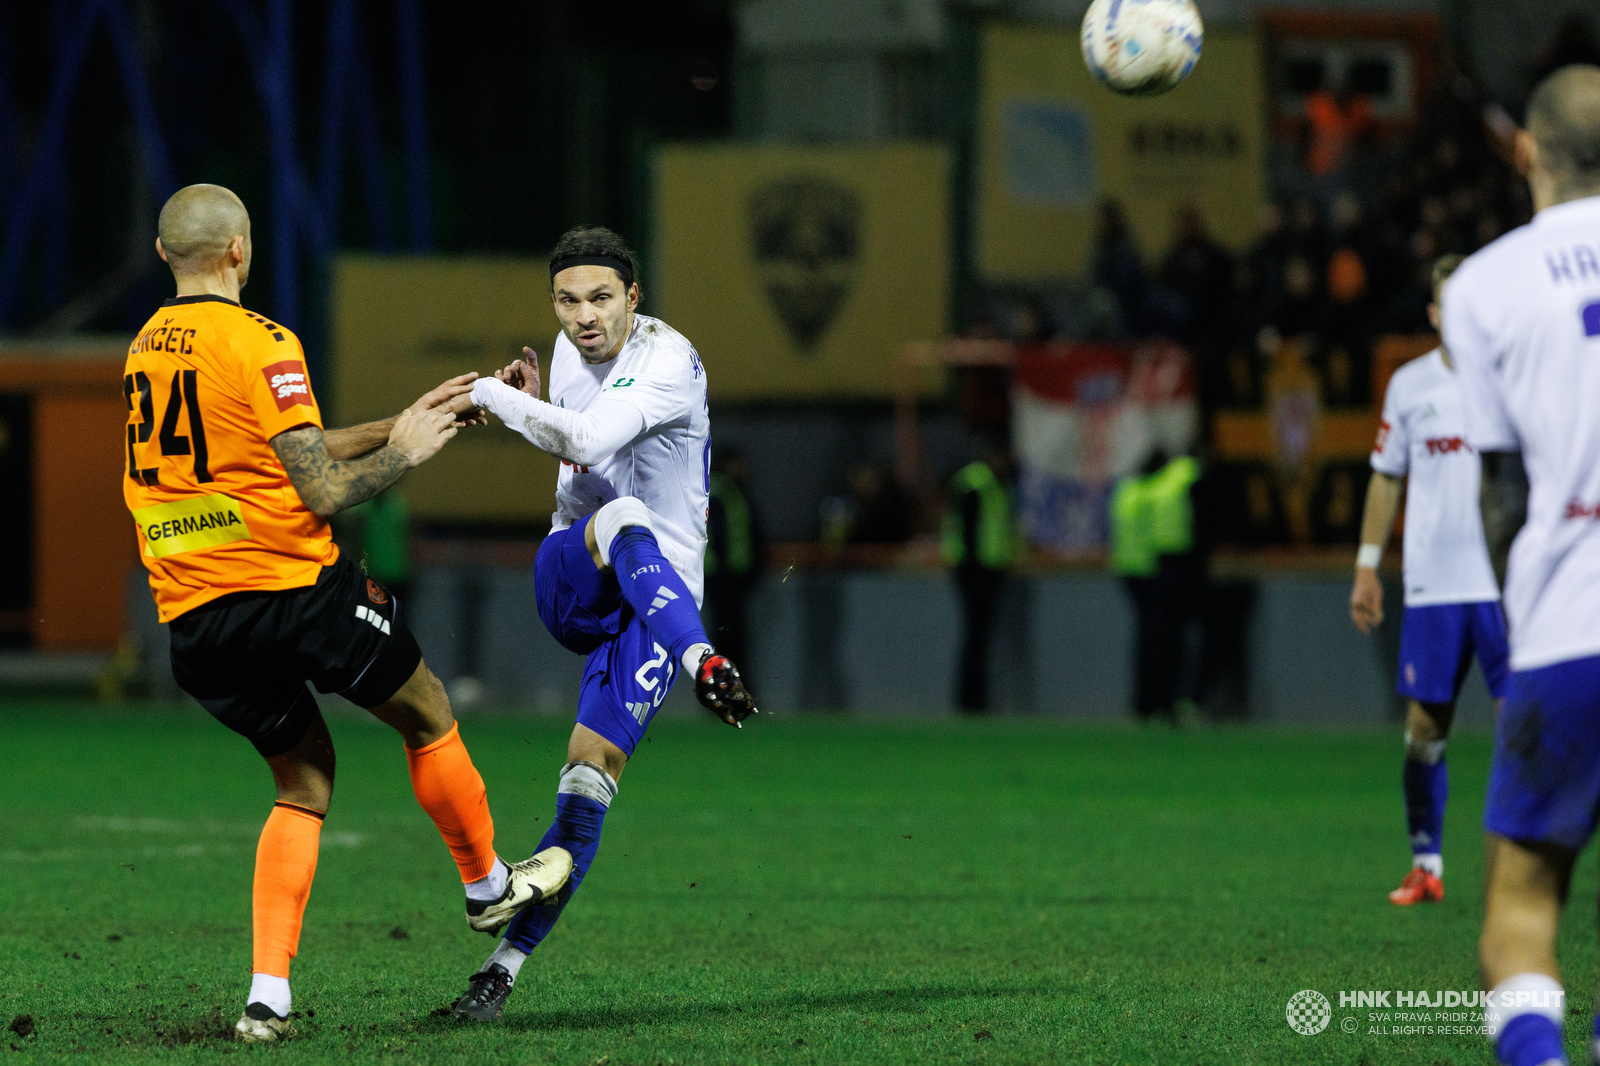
x=664 y=596
x=377 y=620
x=641 y=711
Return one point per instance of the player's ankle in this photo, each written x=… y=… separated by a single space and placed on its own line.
x=272 y=992
x=508 y=956
x=490 y=886
x=1432 y=862
x=692 y=655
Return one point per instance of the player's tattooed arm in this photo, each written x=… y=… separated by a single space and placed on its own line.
x=1503 y=501
x=454 y=395
x=327 y=485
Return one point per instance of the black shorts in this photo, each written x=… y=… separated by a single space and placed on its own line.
x=247 y=656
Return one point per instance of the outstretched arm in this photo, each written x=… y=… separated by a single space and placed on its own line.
x=1503 y=501
x=327 y=485
x=582 y=437
x=356 y=441
x=1377 y=521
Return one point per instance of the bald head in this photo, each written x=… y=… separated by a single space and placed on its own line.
x=1564 y=122
x=197 y=225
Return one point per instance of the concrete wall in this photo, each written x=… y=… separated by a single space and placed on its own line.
x=885 y=642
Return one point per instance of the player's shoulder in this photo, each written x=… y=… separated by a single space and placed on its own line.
x=665 y=350
x=1416 y=375
x=1496 y=268
x=249 y=334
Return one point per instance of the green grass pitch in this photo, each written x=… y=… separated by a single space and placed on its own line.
x=807 y=890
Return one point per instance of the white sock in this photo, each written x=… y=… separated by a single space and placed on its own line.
x=271 y=991
x=691 y=657
x=1524 y=993
x=1433 y=863
x=488 y=888
x=509 y=957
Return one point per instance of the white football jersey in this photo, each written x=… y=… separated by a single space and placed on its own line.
x=1422 y=439
x=1522 y=321
x=667 y=467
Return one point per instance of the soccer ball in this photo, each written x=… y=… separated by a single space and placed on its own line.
x=1141 y=47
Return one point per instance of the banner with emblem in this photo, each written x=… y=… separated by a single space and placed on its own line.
x=801 y=272
x=1053 y=143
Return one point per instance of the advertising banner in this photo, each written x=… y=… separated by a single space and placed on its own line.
x=1053 y=143
x=403 y=324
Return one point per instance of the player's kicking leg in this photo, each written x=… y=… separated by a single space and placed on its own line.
x=451 y=791
x=584 y=575
x=1426 y=782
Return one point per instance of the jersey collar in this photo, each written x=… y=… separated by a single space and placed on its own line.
x=1556 y=212
x=199 y=298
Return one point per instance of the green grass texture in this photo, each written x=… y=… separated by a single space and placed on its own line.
x=810 y=889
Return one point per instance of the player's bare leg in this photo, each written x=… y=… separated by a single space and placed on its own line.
x=450 y=789
x=1525 y=890
x=1426 y=783
x=286 y=862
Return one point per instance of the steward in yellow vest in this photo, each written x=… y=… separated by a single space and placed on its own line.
x=980 y=543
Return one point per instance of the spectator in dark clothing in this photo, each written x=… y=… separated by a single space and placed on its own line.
x=1200 y=272
x=1115 y=265
x=734 y=552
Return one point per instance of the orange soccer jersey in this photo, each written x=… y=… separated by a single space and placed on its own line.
x=208 y=385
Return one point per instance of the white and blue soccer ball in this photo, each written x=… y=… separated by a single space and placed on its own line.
x=1141 y=47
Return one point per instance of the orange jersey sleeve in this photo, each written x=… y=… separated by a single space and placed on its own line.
x=208 y=385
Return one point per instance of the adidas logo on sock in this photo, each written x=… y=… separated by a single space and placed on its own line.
x=664 y=596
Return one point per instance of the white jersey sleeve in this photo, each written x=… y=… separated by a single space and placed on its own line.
x=1470 y=346
x=1391 y=453
x=582 y=437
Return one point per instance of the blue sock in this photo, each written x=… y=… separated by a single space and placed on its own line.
x=1529 y=1040
x=576 y=828
x=1427 y=786
x=656 y=592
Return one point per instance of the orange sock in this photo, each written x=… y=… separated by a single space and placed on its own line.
x=286 y=861
x=450 y=790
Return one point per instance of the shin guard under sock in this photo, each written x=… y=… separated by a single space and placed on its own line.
x=449 y=788
x=1426 y=781
x=583 y=796
x=286 y=861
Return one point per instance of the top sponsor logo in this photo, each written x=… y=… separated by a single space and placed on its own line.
x=288 y=383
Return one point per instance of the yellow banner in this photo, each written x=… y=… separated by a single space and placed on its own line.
x=1053 y=143
x=801 y=272
x=402 y=325
x=188 y=525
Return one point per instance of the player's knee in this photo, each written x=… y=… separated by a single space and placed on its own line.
x=1427 y=726
x=583 y=778
x=616 y=516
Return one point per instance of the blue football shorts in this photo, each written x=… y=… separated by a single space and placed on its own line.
x=1544 y=782
x=1436 y=647
x=628 y=674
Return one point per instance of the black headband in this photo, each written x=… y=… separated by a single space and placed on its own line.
x=621 y=266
